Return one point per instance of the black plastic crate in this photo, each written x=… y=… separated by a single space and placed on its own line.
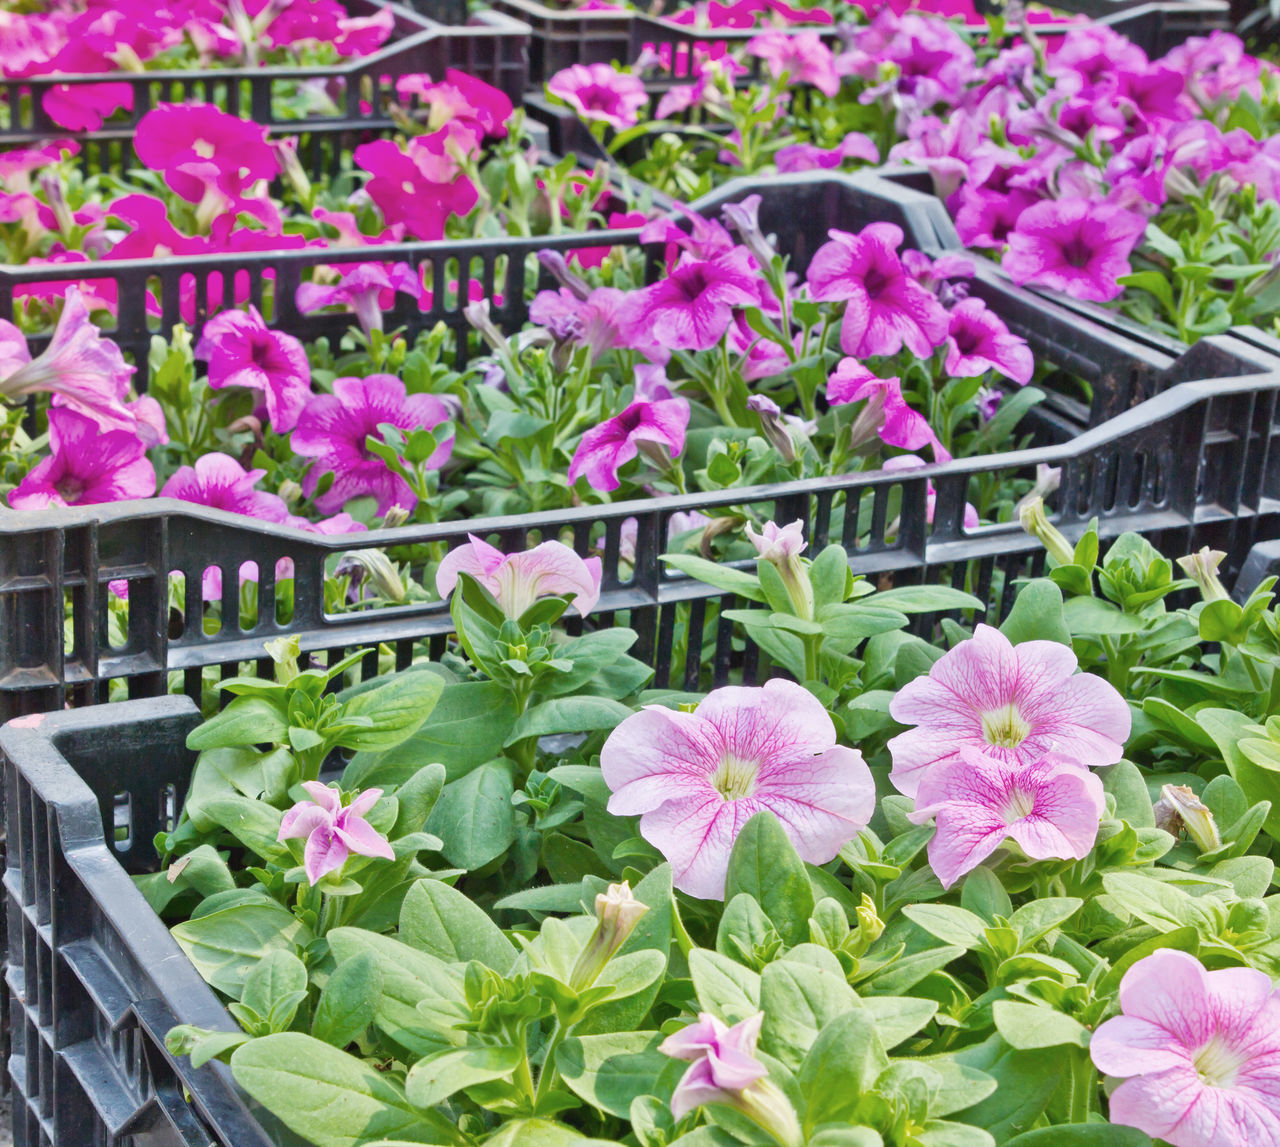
x=491 y=47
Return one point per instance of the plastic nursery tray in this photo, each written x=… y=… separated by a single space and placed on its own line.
x=490 y=46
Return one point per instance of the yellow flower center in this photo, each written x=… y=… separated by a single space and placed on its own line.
x=1217 y=1063
x=734 y=779
x=1004 y=727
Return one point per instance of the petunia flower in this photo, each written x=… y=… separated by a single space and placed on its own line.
x=654 y=427
x=885 y=308
x=242 y=350
x=518 y=580
x=1074 y=246
x=800 y=56
x=333 y=429
x=88 y=466
x=1013 y=702
x=367 y=288
x=1049 y=807
x=333 y=832
x=601 y=92
x=1199 y=1053
x=978 y=341
x=692 y=307
x=697 y=778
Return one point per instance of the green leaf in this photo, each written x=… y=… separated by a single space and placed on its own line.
x=225 y=946
x=765 y=864
x=397 y=708
x=609 y=1071
x=1031 y=1026
x=840 y=1067
x=349 y=1002
x=1037 y=614
x=475 y=817
x=328 y=1097
x=440 y=920
x=246 y=721
x=436 y=1077
x=568 y=715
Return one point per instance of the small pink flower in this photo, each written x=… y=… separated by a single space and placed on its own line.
x=693 y=306
x=1199 y=1052
x=723 y=1060
x=601 y=92
x=1013 y=702
x=697 y=778
x=1074 y=246
x=1049 y=807
x=978 y=341
x=88 y=466
x=367 y=288
x=518 y=580
x=653 y=426
x=331 y=831
x=885 y=308
x=800 y=56
x=243 y=351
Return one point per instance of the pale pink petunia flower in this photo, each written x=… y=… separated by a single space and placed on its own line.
x=696 y=778
x=1049 y=807
x=88 y=466
x=657 y=428
x=723 y=1060
x=1013 y=702
x=1199 y=1052
x=885 y=309
x=979 y=341
x=332 y=831
x=1074 y=246
x=518 y=580
x=242 y=350
x=601 y=92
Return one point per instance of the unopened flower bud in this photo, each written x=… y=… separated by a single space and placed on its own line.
x=617 y=914
x=780 y=546
x=1202 y=568
x=1034 y=520
x=1179 y=808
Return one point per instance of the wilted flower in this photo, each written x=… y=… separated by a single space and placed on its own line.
x=242 y=350
x=1074 y=246
x=518 y=580
x=1049 y=807
x=657 y=428
x=601 y=92
x=1199 y=1052
x=88 y=466
x=697 y=778
x=1015 y=703
x=332 y=831
x=1202 y=568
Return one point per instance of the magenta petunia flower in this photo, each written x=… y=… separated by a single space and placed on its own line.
x=367 y=288
x=333 y=832
x=978 y=341
x=1075 y=246
x=242 y=350
x=601 y=92
x=885 y=308
x=334 y=427
x=800 y=56
x=415 y=189
x=1014 y=702
x=518 y=580
x=693 y=306
x=88 y=466
x=612 y=444
x=887 y=412
x=697 y=778
x=1199 y=1053
x=723 y=1060
x=1049 y=807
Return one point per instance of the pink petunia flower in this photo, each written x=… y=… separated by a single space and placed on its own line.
x=800 y=56
x=885 y=308
x=367 y=288
x=88 y=466
x=1199 y=1053
x=693 y=306
x=887 y=412
x=334 y=427
x=978 y=341
x=242 y=350
x=518 y=580
x=697 y=778
x=601 y=92
x=1074 y=246
x=651 y=426
x=333 y=832
x=1013 y=702
x=1049 y=807
x=723 y=1060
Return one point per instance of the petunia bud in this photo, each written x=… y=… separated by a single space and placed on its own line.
x=1179 y=808
x=1202 y=568
x=1033 y=519
x=617 y=913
